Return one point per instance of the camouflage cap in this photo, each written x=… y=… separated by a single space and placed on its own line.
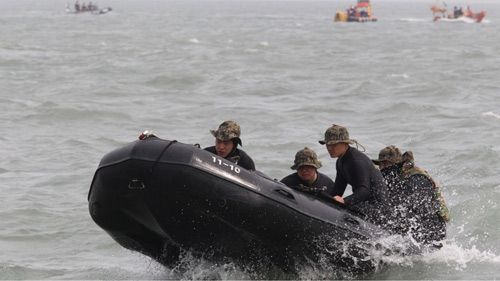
x=228 y=130
x=336 y=134
x=306 y=157
x=390 y=153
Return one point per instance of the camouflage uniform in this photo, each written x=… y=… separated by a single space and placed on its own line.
x=419 y=207
x=409 y=169
x=230 y=131
x=393 y=154
x=308 y=157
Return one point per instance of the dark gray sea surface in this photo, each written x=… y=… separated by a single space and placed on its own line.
x=74 y=87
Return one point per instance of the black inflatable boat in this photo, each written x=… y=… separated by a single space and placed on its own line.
x=163 y=198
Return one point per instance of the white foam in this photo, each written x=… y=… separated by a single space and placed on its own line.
x=459 y=257
x=403 y=75
x=414 y=20
x=461 y=19
x=491 y=114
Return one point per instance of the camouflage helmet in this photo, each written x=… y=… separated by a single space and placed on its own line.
x=306 y=157
x=390 y=153
x=228 y=130
x=336 y=134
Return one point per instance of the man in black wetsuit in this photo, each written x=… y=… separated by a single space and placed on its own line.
x=419 y=207
x=369 y=191
x=307 y=178
x=227 y=138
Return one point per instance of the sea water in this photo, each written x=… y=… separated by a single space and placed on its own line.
x=74 y=87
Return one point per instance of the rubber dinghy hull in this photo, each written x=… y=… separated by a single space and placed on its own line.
x=163 y=198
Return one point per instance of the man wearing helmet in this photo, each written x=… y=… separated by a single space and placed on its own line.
x=307 y=178
x=227 y=138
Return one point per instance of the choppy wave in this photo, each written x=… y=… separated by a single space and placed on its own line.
x=491 y=114
x=414 y=20
x=461 y=257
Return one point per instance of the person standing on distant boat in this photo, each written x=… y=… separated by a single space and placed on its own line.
x=469 y=13
x=307 y=178
x=227 y=138
x=419 y=207
x=369 y=191
x=351 y=12
x=77 y=6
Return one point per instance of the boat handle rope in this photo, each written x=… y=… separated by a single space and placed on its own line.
x=159 y=156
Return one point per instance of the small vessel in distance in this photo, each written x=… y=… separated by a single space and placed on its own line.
x=362 y=12
x=84 y=9
x=458 y=14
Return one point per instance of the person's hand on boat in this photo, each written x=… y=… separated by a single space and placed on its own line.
x=339 y=199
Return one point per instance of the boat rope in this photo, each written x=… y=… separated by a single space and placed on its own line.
x=159 y=156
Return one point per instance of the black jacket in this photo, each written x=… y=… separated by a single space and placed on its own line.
x=293 y=180
x=356 y=169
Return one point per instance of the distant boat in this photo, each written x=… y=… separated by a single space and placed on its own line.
x=94 y=11
x=457 y=15
x=362 y=12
